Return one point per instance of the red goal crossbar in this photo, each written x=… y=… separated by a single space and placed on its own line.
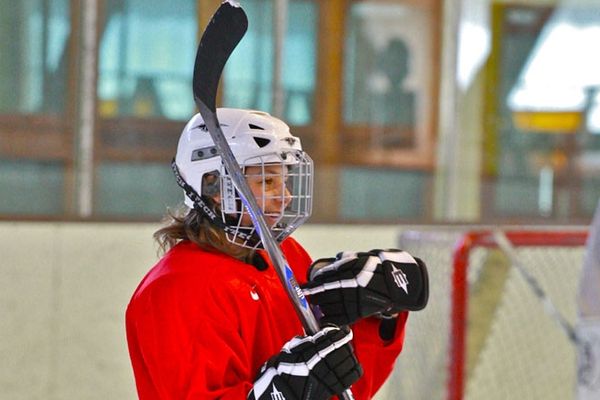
x=463 y=248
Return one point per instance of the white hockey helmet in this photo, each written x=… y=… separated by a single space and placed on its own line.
x=256 y=139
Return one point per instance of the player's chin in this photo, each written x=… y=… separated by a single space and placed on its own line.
x=270 y=219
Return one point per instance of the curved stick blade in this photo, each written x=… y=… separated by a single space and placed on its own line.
x=224 y=31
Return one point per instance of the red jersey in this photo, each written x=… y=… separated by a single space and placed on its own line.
x=200 y=325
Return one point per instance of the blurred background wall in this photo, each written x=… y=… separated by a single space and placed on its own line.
x=414 y=111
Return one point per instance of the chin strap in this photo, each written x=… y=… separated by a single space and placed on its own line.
x=201 y=205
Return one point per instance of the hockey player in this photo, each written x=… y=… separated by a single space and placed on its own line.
x=211 y=319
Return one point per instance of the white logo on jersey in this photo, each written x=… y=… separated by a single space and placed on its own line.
x=253 y=294
x=400 y=278
x=276 y=394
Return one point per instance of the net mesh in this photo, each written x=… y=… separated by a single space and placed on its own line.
x=514 y=348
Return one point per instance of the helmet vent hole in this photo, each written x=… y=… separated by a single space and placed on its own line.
x=261 y=142
x=252 y=126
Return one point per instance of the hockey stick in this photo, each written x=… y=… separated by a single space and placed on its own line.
x=225 y=30
x=506 y=246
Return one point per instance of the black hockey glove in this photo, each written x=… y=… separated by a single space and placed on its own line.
x=309 y=368
x=357 y=285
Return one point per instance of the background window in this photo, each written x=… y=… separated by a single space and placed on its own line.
x=146 y=59
x=547 y=142
x=387 y=80
x=34 y=49
x=248 y=76
x=387 y=115
x=147 y=52
x=35 y=123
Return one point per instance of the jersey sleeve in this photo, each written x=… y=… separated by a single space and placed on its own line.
x=377 y=356
x=178 y=355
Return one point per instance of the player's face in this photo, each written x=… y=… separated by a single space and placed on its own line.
x=269 y=186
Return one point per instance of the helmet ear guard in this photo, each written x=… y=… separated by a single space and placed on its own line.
x=210 y=184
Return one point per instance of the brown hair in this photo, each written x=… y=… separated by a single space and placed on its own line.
x=189 y=224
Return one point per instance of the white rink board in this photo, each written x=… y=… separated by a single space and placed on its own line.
x=63 y=294
x=65 y=286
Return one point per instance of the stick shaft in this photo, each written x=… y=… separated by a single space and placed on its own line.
x=293 y=290
x=226 y=29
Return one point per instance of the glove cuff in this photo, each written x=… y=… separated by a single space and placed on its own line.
x=424 y=298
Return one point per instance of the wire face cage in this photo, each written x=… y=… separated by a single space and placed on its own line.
x=283 y=187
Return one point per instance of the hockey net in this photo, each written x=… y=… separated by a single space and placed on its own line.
x=485 y=333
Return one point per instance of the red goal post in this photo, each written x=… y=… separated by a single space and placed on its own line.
x=464 y=247
x=484 y=333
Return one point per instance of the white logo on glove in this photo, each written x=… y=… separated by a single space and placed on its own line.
x=276 y=394
x=400 y=278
